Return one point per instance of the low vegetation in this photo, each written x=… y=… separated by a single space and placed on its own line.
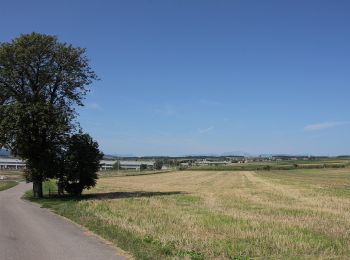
x=267 y=166
x=292 y=214
x=4 y=185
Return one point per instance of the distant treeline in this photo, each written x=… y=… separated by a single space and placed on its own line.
x=219 y=158
x=180 y=158
x=268 y=167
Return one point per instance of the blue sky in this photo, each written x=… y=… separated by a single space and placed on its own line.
x=194 y=77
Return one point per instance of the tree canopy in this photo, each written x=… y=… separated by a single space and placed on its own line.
x=158 y=164
x=82 y=161
x=41 y=82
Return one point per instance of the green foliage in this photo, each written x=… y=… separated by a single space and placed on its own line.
x=81 y=163
x=41 y=82
x=158 y=164
x=4 y=185
x=143 y=167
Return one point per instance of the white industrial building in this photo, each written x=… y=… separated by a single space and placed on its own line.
x=18 y=164
x=212 y=163
x=135 y=165
x=126 y=165
x=11 y=164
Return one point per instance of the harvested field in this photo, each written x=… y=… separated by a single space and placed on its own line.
x=222 y=215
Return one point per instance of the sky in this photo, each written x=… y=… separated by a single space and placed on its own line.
x=206 y=77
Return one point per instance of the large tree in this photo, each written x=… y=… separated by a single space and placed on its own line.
x=42 y=80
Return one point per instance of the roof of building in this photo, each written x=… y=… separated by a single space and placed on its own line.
x=11 y=160
x=137 y=163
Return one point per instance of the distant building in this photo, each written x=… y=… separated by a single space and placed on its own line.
x=126 y=165
x=107 y=164
x=18 y=164
x=135 y=165
x=211 y=163
x=12 y=164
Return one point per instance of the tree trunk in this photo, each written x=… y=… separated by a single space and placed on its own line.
x=38 y=189
x=60 y=187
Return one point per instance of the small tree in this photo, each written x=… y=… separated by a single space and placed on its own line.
x=116 y=165
x=82 y=161
x=158 y=164
x=143 y=167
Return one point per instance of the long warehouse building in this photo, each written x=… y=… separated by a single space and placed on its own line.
x=125 y=165
x=18 y=164
x=12 y=164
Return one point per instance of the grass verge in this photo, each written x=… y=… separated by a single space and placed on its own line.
x=4 y=185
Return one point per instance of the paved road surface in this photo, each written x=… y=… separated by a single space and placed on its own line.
x=28 y=232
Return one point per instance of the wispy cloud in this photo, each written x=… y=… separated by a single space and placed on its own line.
x=94 y=106
x=325 y=125
x=206 y=130
x=167 y=110
x=210 y=102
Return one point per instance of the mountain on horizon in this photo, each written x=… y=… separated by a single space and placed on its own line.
x=237 y=153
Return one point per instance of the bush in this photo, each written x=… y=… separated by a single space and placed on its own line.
x=143 y=167
x=81 y=163
x=158 y=164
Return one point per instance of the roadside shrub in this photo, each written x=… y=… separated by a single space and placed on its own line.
x=81 y=163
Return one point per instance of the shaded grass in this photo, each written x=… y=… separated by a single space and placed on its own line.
x=219 y=215
x=4 y=185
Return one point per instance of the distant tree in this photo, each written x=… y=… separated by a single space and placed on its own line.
x=82 y=161
x=143 y=167
x=42 y=81
x=158 y=164
x=267 y=167
x=116 y=165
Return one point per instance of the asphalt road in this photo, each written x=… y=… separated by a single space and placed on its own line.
x=28 y=232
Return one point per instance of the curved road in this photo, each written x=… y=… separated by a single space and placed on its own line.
x=28 y=232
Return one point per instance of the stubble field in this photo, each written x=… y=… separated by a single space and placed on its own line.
x=220 y=215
